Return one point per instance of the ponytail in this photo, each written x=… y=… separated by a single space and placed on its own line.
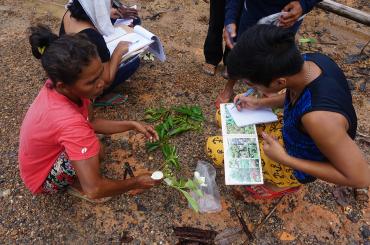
x=63 y=58
x=40 y=39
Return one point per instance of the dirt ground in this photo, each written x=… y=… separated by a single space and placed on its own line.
x=316 y=215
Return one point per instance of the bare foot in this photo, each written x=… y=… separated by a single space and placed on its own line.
x=209 y=69
x=76 y=190
x=224 y=97
x=110 y=99
x=225 y=74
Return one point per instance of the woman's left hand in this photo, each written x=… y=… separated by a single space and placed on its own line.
x=147 y=130
x=293 y=11
x=273 y=149
x=123 y=13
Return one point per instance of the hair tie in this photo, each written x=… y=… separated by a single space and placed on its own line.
x=41 y=49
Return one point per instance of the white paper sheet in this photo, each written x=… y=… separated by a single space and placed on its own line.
x=137 y=42
x=247 y=117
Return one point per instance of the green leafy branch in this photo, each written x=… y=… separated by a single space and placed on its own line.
x=175 y=121
x=185 y=186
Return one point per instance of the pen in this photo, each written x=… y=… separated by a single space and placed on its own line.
x=249 y=92
x=134 y=42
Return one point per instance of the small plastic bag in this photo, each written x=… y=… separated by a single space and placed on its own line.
x=210 y=202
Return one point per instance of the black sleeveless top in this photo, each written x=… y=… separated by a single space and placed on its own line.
x=328 y=92
x=96 y=38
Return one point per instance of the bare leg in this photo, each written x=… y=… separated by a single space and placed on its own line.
x=101 y=152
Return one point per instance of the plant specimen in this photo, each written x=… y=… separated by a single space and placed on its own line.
x=185 y=186
x=154 y=115
x=175 y=121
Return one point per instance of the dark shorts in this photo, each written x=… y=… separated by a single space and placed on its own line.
x=60 y=177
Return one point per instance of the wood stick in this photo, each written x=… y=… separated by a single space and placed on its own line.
x=362 y=134
x=363 y=48
x=190 y=234
x=345 y=11
x=268 y=215
x=246 y=230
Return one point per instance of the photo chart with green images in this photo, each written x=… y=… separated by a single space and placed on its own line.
x=242 y=159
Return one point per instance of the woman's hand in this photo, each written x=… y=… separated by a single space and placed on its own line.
x=145 y=181
x=147 y=130
x=230 y=34
x=123 y=13
x=247 y=102
x=273 y=149
x=293 y=12
x=123 y=47
x=115 y=14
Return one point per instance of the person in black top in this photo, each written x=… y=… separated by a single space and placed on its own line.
x=319 y=124
x=242 y=14
x=213 y=47
x=76 y=20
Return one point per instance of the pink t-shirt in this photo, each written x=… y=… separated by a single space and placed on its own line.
x=53 y=124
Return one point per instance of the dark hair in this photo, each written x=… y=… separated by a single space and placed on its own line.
x=264 y=53
x=62 y=58
x=77 y=11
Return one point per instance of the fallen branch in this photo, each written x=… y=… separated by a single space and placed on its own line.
x=363 y=137
x=246 y=230
x=363 y=48
x=267 y=216
x=190 y=234
x=345 y=11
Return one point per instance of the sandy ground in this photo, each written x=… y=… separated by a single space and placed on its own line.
x=313 y=216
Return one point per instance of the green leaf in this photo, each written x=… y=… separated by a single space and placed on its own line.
x=198 y=192
x=181 y=183
x=307 y=40
x=191 y=201
x=169 y=121
x=152 y=146
x=166 y=150
x=190 y=185
x=181 y=129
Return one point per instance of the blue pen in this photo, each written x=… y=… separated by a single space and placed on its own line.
x=249 y=92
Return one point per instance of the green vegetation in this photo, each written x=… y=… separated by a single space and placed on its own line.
x=175 y=121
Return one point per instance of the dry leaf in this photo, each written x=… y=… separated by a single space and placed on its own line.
x=286 y=236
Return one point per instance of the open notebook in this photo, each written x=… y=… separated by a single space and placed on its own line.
x=141 y=40
x=248 y=117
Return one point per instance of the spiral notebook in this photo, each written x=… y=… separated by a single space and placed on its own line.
x=140 y=39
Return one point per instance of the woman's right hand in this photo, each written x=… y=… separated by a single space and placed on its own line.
x=247 y=102
x=123 y=47
x=145 y=181
x=230 y=34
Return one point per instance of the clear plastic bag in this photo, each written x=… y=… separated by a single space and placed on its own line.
x=210 y=202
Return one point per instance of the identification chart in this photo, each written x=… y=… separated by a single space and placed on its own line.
x=242 y=159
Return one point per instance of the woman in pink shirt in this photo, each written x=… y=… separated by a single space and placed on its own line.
x=58 y=144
